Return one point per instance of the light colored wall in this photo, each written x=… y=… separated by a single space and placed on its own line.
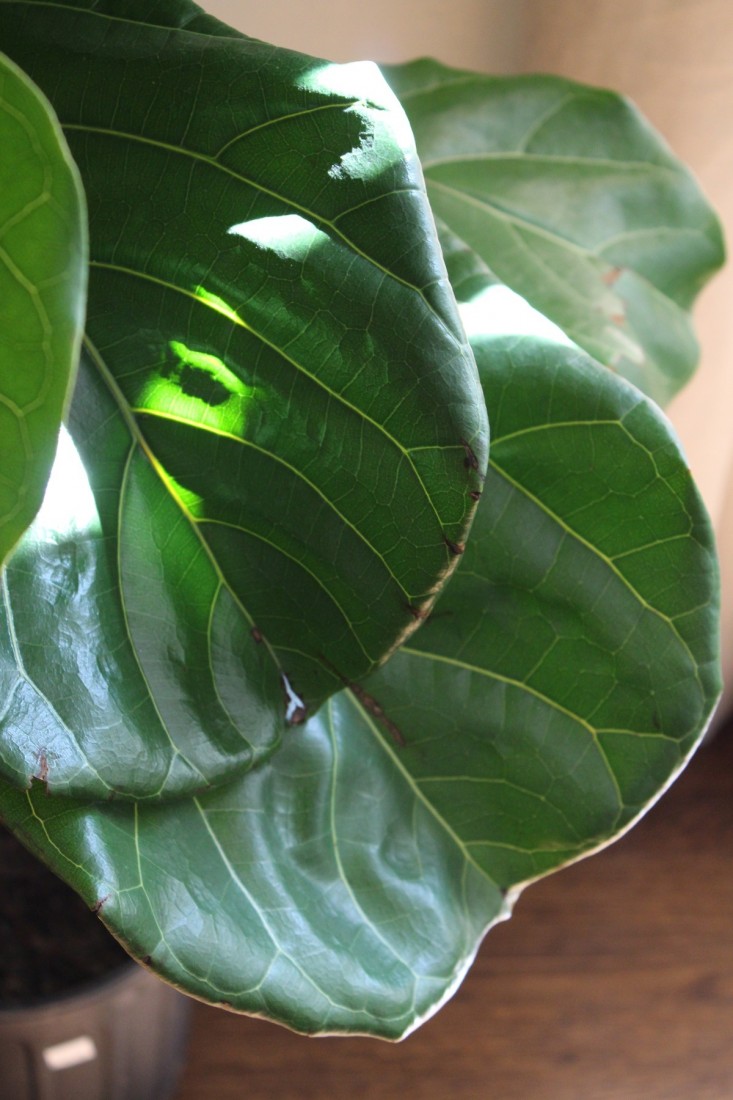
x=479 y=34
x=673 y=57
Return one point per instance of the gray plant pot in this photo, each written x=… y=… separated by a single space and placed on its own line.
x=122 y=1038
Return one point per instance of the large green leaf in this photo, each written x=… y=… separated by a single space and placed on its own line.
x=563 y=679
x=272 y=413
x=320 y=890
x=572 y=200
x=43 y=270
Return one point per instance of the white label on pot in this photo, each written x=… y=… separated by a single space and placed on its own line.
x=71 y=1053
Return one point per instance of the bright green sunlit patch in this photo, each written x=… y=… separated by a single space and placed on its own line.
x=217 y=303
x=199 y=388
x=192 y=502
x=213 y=366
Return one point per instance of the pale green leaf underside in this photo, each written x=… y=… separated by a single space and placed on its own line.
x=311 y=885
x=272 y=408
x=572 y=200
x=562 y=680
x=42 y=294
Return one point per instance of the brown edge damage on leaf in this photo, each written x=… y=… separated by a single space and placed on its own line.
x=371 y=705
x=99 y=905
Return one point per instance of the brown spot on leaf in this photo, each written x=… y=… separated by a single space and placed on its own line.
x=470 y=461
x=370 y=704
x=454 y=547
x=42 y=772
x=257 y=635
x=418 y=613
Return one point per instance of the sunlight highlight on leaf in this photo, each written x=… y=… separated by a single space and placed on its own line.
x=217 y=303
x=375 y=152
x=289 y=236
x=69 y=507
x=328 y=78
x=198 y=387
x=213 y=366
x=498 y=311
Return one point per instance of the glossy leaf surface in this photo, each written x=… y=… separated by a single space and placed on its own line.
x=562 y=680
x=319 y=890
x=271 y=414
x=573 y=201
x=43 y=270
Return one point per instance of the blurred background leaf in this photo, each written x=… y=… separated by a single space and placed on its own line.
x=571 y=199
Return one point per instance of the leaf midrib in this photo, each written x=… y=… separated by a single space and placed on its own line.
x=575 y=160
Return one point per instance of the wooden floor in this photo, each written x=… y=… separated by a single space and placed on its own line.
x=613 y=981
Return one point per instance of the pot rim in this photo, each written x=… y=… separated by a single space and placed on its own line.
x=89 y=990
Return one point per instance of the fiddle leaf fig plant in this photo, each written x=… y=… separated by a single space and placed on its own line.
x=300 y=683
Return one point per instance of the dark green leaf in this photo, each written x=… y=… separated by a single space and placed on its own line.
x=573 y=664
x=563 y=679
x=571 y=199
x=43 y=269
x=272 y=409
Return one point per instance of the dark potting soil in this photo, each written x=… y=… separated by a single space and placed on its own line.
x=50 y=943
